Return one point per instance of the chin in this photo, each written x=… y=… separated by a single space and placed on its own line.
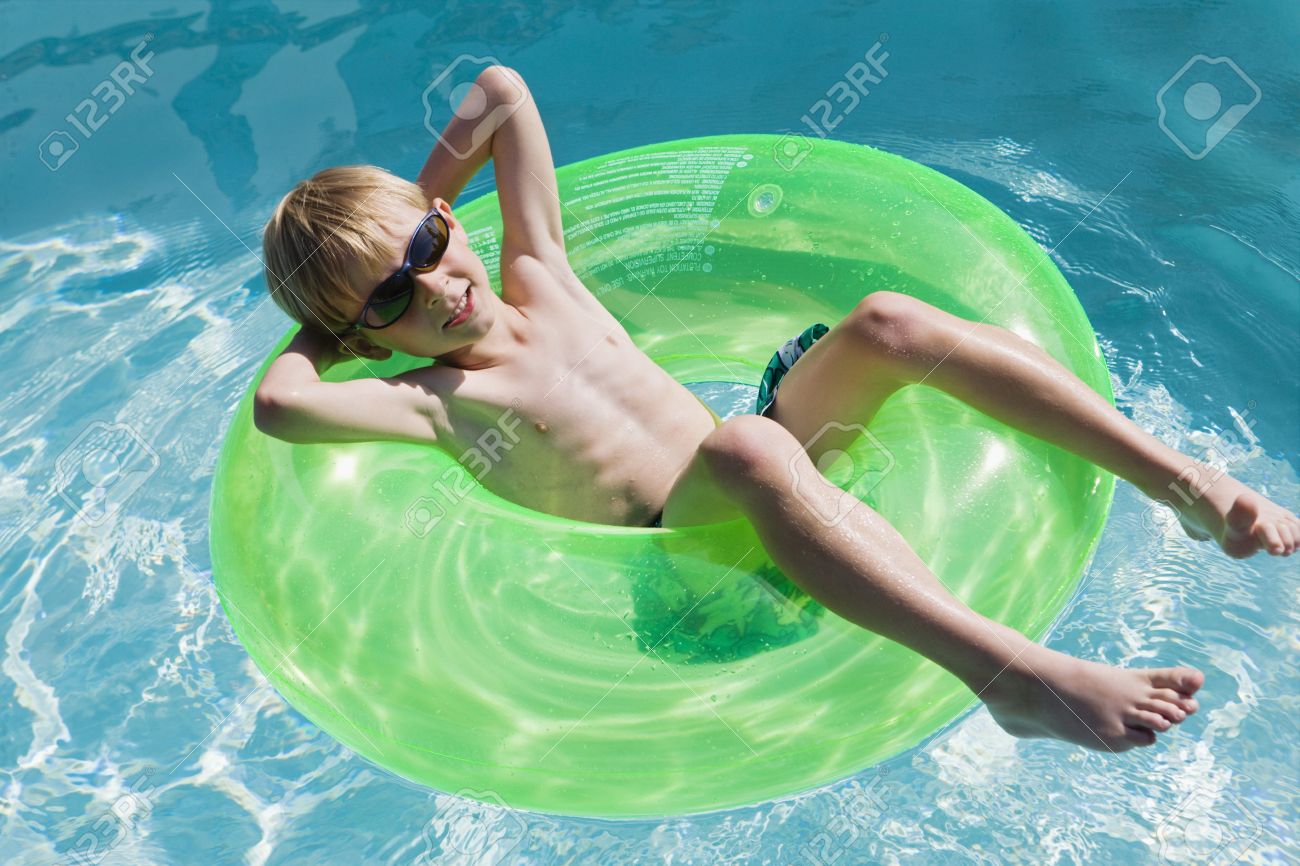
x=484 y=316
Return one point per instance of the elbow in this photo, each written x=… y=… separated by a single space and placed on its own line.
x=271 y=414
x=503 y=84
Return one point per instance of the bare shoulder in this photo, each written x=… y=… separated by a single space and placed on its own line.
x=546 y=286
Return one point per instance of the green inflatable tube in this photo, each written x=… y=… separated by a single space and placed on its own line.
x=486 y=649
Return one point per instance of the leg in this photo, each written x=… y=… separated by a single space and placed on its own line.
x=865 y=572
x=891 y=340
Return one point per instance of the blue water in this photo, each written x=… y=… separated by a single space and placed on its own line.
x=131 y=722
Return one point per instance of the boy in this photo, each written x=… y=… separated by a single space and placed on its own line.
x=374 y=264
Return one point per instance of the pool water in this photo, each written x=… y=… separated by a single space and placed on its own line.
x=133 y=725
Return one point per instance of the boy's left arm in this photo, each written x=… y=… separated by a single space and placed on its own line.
x=516 y=142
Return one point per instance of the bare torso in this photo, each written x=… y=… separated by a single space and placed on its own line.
x=602 y=431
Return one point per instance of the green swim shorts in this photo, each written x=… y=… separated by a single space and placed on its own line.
x=782 y=361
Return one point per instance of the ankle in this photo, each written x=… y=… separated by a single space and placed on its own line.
x=1003 y=666
x=1174 y=478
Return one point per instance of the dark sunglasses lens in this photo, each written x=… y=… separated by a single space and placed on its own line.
x=429 y=243
x=389 y=301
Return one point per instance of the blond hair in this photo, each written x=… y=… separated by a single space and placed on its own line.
x=327 y=228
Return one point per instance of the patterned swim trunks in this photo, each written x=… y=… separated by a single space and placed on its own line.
x=782 y=361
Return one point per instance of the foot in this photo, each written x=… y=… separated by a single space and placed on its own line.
x=1049 y=694
x=1242 y=521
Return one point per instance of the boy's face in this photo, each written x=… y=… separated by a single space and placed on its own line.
x=427 y=329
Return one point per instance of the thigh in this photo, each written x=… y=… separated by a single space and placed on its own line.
x=695 y=498
x=745 y=459
x=833 y=390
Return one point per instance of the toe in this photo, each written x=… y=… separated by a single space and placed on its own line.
x=1169 y=710
x=1184 y=702
x=1290 y=537
x=1139 y=736
x=1187 y=704
x=1186 y=681
x=1271 y=538
x=1146 y=719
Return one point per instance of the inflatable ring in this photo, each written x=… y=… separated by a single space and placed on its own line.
x=479 y=647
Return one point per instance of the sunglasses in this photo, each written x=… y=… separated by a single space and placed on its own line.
x=390 y=298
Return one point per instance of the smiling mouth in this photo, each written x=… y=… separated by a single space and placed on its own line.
x=463 y=308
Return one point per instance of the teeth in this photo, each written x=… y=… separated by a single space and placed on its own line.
x=460 y=305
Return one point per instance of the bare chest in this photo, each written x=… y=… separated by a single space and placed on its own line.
x=591 y=435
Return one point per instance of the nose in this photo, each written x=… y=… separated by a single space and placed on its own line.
x=436 y=286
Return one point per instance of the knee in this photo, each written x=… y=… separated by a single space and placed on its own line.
x=745 y=448
x=891 y=323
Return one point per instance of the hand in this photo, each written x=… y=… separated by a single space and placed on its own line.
x=356 y=345
x=324 y=349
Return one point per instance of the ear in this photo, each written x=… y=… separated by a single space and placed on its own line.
x=440 y=204
x=358 y=344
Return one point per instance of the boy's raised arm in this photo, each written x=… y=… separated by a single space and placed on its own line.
x=508 y=130
x=293 y=404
